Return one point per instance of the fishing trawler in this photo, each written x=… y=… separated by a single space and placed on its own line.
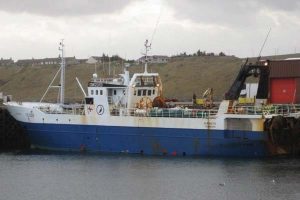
x=129 y=115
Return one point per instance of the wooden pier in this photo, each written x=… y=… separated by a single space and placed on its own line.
x=12 y=135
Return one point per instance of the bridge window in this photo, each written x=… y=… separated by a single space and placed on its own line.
x=115 y=92
x=96 y=92
x=144 y=92
x=139 y=92
x=92 y=92
x=149 y=92
x=153 y=91
x=101 y=92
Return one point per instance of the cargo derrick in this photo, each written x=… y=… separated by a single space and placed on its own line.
x=259 y=69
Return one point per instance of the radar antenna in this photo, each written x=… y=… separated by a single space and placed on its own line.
x=147 y=48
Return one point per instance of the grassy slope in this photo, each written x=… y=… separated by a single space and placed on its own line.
x=181 y=78
x=184 y=76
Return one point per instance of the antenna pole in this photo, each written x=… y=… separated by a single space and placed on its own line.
x=108 y=65
x=262 y=47
x=147 y=48
x=156 y=25
x=62 y=73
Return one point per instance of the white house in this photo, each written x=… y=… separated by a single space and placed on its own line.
x=154 y=59
x=94 y=59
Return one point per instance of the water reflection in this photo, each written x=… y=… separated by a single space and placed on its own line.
x=37 y=175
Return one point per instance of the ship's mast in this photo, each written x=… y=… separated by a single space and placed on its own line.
x=147 y=48
x=62 y=73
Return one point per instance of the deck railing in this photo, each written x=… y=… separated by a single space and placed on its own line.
x=166 y=112
x=292 y=110
x=271 y=109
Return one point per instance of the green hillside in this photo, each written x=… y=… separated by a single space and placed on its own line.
x=181 y=77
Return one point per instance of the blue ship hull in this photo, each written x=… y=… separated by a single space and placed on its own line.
x=151 y=141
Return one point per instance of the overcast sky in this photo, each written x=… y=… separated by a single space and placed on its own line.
x=33 y=28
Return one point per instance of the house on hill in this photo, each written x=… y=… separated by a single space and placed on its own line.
x=25 y=62
x=94 y=59
x=154 y=59
x=47 y=61
x=6 y=62
x=71 y=60
x=55 y=61
x=82 y=60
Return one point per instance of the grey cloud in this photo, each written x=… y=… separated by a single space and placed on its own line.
x=63 y=7
x=288 y=5
x=230 y=12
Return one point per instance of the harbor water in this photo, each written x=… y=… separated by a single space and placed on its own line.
x=43 y=175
